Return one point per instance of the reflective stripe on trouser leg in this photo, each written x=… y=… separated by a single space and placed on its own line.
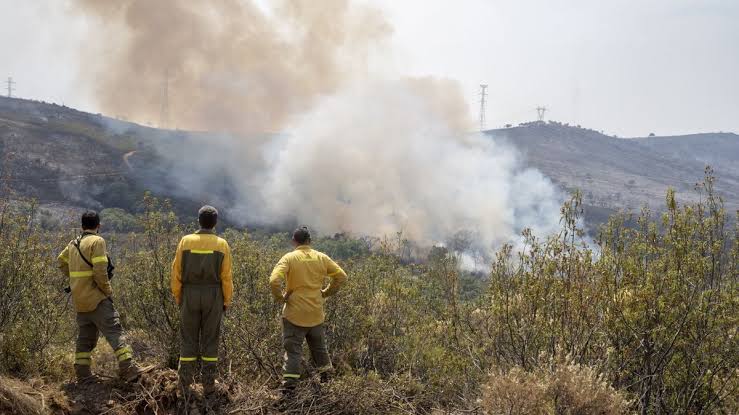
x=292 y=341
x=108 y=322
x=124 y=353
x=211 y=302
x=189 y=328
x=87 y=339
x=83 y=358
x=87 y=336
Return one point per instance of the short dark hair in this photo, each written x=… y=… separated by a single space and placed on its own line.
x=90 y=220
x=207 y=217
x=302 y=235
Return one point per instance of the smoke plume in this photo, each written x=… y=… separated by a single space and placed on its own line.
x=354 y=152
x=227 y=65
x=391 y=155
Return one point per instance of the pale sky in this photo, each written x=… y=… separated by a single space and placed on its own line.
x=627 y=67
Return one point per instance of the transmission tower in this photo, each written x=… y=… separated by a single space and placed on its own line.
x=164 y=114
x=10 y=82
x=540 y=111
x=483 y=94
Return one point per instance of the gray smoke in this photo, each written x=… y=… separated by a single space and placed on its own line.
x=230 y=65
x=354 y=154
x=391 y=156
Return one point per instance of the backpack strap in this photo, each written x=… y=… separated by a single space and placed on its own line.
x=76 y=244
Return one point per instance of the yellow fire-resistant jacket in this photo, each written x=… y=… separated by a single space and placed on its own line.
x=89 y=285
x=304 y=271
x=202 y=258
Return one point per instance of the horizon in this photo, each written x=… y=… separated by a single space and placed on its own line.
x=580 y=60
x=504 y=127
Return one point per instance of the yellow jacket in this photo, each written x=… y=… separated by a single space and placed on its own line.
x=304 y=271
x=202 y=258
x=89 y=285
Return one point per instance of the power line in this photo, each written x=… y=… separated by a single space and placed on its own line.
x=10 y=83
x=483 y=94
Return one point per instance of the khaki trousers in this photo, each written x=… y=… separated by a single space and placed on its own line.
x=292 y=340
x=104 y=319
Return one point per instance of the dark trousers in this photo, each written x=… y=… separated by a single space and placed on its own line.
x=104 y=319
x=201 y=313
x=292 y=340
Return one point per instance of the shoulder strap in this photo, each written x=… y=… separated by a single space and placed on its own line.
x=76 y=244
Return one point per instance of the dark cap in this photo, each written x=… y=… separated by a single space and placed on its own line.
x=207 y=217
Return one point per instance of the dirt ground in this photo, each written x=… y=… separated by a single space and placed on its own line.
x=155 y=393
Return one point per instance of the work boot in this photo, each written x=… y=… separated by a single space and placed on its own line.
x=83 y=373
x=185 y=379
x=209 y=387
x=209 y=378
x=129 y=371
x=288 y=387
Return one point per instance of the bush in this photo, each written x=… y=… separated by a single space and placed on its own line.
x=118 y=220
x=647 y=315
x=566 y=389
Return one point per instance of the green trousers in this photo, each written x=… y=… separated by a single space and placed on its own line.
x=201 y=313
x=104 y=319
x=292 y=339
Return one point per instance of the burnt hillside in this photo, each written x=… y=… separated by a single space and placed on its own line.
x=67 y=159
x=616 y=173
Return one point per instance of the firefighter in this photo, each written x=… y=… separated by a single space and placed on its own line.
x=202 y=287
x=304 y=272
x=85 y=262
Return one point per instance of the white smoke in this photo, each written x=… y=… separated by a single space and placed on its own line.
x=385 y=157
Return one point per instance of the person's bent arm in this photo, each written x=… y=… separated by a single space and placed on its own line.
x=63 y=259
x=337 y=276
x=99 y=259
x=227 y=283
x=279 y=273
x=176 y=277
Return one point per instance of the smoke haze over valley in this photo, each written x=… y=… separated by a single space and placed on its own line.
x=305 y=118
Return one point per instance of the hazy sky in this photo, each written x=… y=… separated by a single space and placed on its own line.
x=628 y=67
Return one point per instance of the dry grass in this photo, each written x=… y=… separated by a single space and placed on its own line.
x=19 y=398
x=567 y=389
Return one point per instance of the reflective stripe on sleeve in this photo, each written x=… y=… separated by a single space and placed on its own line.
x=291 y=376
x=209 y=359
x=82 y=355
x=80 y=274
x=188 y=359
x=82 y=362
x=99 y=259
x=200 y=251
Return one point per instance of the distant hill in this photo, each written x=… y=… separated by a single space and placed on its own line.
x=720 y=150
x=618 y=173
x=68 y=159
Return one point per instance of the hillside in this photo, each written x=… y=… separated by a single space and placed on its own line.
x=719 y=149
x=68 y=159
x=616 y=173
